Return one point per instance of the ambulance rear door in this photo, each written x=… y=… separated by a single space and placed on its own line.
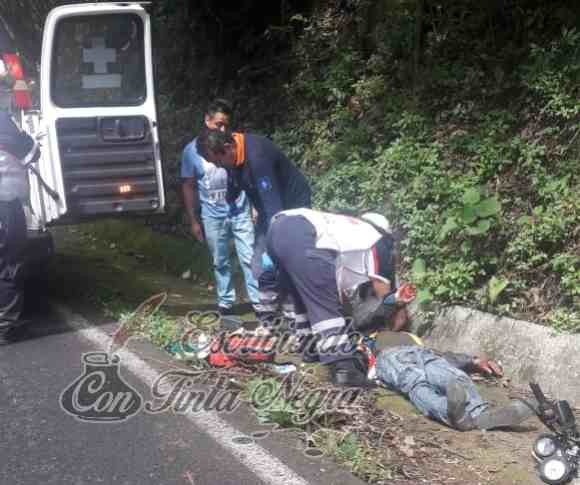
x=98 y=109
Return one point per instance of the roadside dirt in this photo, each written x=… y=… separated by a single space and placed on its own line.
x=88 y=273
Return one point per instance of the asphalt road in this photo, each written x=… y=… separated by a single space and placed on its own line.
x=41 y=443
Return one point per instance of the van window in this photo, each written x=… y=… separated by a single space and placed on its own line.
x=98 y=60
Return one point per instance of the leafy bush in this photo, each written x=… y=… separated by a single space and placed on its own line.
x=476 y=172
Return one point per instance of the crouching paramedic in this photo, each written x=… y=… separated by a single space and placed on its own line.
x=322 y=258
x=271 y=182
x=16 y=149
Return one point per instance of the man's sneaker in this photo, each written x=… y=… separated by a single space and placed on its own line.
x=224 y=310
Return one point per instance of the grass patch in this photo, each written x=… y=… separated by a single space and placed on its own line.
x=161 y=329
x=349 y=450
x=170 y=253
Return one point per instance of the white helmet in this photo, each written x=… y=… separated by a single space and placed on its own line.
x=377 y=220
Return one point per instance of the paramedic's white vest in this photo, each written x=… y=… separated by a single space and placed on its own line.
x=351 y=238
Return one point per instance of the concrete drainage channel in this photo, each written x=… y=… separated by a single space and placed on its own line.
x=527 y=351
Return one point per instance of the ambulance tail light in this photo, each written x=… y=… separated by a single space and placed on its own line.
x=22 y=97
x=14 y=66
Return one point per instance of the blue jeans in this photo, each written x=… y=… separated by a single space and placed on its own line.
x=423 y=376
x=218 y=234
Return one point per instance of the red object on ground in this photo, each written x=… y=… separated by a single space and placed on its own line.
x=230 y=351
x=219 y=359
x=22 y=97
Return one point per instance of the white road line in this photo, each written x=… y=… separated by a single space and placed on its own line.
x=266 y=466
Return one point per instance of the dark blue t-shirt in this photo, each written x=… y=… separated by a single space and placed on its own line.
x=270 y=180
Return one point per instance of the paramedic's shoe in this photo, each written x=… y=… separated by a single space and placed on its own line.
x=269 y=321
x=350 y=373
x=307 y=347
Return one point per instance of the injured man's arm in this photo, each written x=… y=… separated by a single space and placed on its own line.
x=469 y=363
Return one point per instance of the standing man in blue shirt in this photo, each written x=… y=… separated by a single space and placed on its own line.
x=215 y=220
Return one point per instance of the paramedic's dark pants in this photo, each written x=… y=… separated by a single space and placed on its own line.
x=12 y=245
x=310 y=275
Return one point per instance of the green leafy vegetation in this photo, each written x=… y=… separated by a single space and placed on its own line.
x=477 y=163
x=266 y=396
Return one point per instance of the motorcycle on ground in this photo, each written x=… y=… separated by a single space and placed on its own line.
x=557 y=453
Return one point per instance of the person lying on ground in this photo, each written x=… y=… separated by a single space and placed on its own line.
x=322 y=259
x=438 y=384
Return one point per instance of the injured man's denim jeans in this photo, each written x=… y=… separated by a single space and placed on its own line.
x=423 y=376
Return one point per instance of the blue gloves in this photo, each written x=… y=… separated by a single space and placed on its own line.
x=391 y=298
x=267 y=263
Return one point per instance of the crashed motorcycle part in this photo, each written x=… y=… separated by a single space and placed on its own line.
x=567 y=419
x=555 y=470
x=545 y=446
x=558 y=417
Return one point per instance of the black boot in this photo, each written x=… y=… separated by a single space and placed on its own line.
x=350 y=373
x=493 y=417
x=456 y=402
x=510 y=415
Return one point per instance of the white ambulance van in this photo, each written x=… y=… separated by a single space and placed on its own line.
x=96 y=122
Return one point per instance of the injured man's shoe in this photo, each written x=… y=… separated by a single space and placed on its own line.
x=350 y=373
x=510 y=415
x=493 y=417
